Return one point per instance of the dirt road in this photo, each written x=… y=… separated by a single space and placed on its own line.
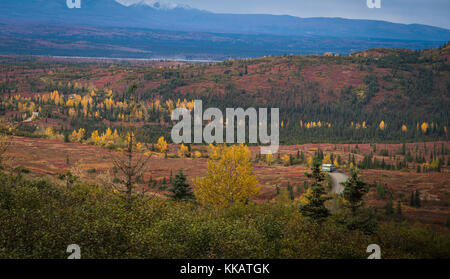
x=337 y=178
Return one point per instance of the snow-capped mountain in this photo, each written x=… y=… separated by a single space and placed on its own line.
x=169 y=15
x=156 y=4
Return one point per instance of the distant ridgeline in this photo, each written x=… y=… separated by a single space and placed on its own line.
x=106 y=28
x=377 y=95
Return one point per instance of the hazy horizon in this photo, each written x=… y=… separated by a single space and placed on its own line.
x=432 y=12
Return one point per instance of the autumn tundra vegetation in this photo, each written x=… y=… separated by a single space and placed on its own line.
x=382 y=119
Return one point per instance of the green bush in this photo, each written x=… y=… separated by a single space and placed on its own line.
x=39 y=220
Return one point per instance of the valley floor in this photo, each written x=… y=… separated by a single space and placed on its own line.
x=48 y=158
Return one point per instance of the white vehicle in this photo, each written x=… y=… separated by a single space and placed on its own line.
x=328 y=167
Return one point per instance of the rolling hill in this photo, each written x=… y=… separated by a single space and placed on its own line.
x=321 y=98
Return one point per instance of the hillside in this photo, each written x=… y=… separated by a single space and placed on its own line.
x=321 y=98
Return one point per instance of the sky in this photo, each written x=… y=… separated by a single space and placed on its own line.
x=429 y=12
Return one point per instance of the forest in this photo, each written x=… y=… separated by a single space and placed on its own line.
x=373 y=96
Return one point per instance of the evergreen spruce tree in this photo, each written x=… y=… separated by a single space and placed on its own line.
x=417 y=199
x=412 y=199
x=180 y=190
x=389 y=207
x=291 y=191
x=354 y=190
x=399 y=208
x=314 y=208
x=359 y=217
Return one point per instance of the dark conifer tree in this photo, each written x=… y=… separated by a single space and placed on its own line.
x=180 y=191
x=417 y=199
x=354 y=191
x=315 y=209
x=291 y=191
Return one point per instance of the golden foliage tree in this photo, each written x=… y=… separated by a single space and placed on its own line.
x=404 y=128
x=336 y=163
x=229 y=179
x=327 y=159
x=162 y=145
x=286 y=160
x=382 y=125
x=184 y=151
x=269 y=159
x=309 y=160
x=78 y=136
x=49 y=133
x=424 y=127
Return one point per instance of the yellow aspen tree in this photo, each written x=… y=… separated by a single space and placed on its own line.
x=138 y=146
x=49 y=133
x=184 y=151
x=95 y=137
x=424 y=127
x=80 y=134
x=382 y=125
x=115 y=135
x=73 y=137
x=336 y=163
x=404 y=128
x=309 y=160
x=162 y=145
x=214 y=152
x=229 y=179
x=286 y=160
x=108 y=135
x=269 y=159
x=326 y=159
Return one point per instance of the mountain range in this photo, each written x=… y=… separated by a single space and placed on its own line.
x=329 y=33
